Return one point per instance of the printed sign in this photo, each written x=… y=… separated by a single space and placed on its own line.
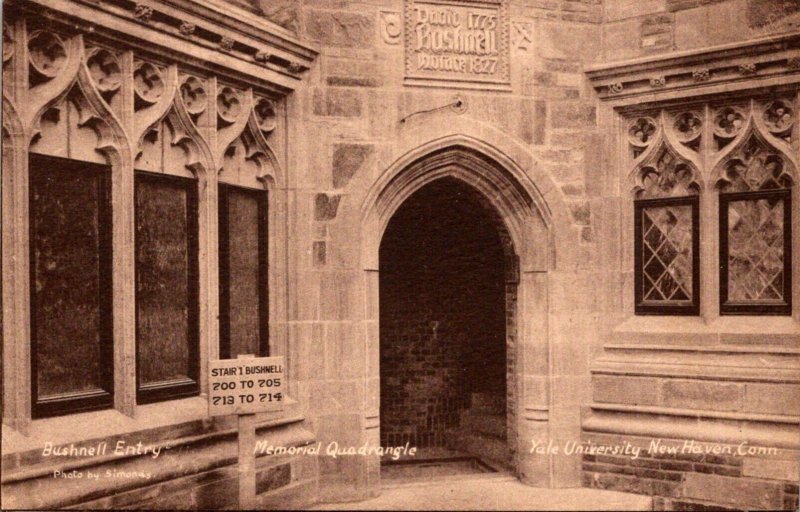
x=245 y=385
x=456 y=40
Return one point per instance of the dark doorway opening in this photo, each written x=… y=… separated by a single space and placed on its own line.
x=443 y=327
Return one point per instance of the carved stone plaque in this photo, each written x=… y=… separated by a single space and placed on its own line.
x=457 y=43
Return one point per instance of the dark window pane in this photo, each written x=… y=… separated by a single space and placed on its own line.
x=70 y=282
x=666 y=256
x=754 y=237
x=668 y=245
x=166 y=273
x=243 y=273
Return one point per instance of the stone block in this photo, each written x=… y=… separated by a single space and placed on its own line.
x=656 y=32
x=337 y=102
x=691 y=29
x=625 y=390
x=573 y=114
x=581 y=213
x=741 y=492
x=340 y=28
x=326 y=206
x=619 y=41
x=772 y=398
x=771 y=469
x=285 y=13
x=348 y=160
x=622 y=9
x=761 y=13
x=714 y=396
x=273 y=478
x=728 y=22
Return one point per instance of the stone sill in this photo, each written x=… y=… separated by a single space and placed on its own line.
x=697 y=413
x=697 y=426
x=679 y=330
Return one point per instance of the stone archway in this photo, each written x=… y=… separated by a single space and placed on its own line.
x=522 y=212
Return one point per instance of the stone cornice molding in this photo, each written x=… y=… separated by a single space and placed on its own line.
x=756 y=60
x=201 y=33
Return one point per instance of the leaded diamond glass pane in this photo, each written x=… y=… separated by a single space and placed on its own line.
x=667 y=253
x=755 y=250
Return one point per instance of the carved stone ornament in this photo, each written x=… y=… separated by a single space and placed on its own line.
x=658 y=81
x=266 y=116
x=747 y=69
x=105 y=70
x=449 y=42
x=793 y=63
x=193 y=94
x=295 y=68
x=148 y=84
x=229 y=106
x=728 y=122
x=391 y=27
x=47 y=54
x=143 y=12
x=701 y=75
x=262 y=57
x=226 y=44
x=187 y=29
x=778 y=117
x=522 y=35
x=687 y=126
x=641 y=131
x=615 y=88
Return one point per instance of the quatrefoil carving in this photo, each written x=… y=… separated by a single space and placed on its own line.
x=266 y=117
x=688 y=126
x=148 y=83
x=779 y=117
x=48 y=55
x=728 y=122
x=193 y=94
x=641 y=131
x=229 y=105
x=105 y=71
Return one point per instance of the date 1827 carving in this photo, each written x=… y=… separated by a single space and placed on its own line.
x=448 y=42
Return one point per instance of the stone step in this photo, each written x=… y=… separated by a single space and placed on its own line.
x=490 y=424
x=481 y=446
x=491 y=403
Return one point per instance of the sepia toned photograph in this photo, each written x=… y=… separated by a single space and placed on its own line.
x=400 y=255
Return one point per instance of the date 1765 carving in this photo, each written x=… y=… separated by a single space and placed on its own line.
x=456 y=42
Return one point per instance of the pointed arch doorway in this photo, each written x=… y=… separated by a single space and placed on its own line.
x=502 y=195
x=447 y=291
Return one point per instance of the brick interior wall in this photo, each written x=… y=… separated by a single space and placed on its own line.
x=688 y=480
x=442 y=299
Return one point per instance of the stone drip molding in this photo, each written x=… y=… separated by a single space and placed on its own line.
x=205 y=33
x=767 y=58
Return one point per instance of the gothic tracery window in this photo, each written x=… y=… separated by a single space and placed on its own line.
x=755 y=231
x=744 y=149
x=666 y=237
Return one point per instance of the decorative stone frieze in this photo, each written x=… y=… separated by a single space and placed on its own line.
x=765 y=59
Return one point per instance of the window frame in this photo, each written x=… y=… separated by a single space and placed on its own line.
x=171 y=390
x=640 y=306
x=72 y=403
x=727 y=308
x=223 y=246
